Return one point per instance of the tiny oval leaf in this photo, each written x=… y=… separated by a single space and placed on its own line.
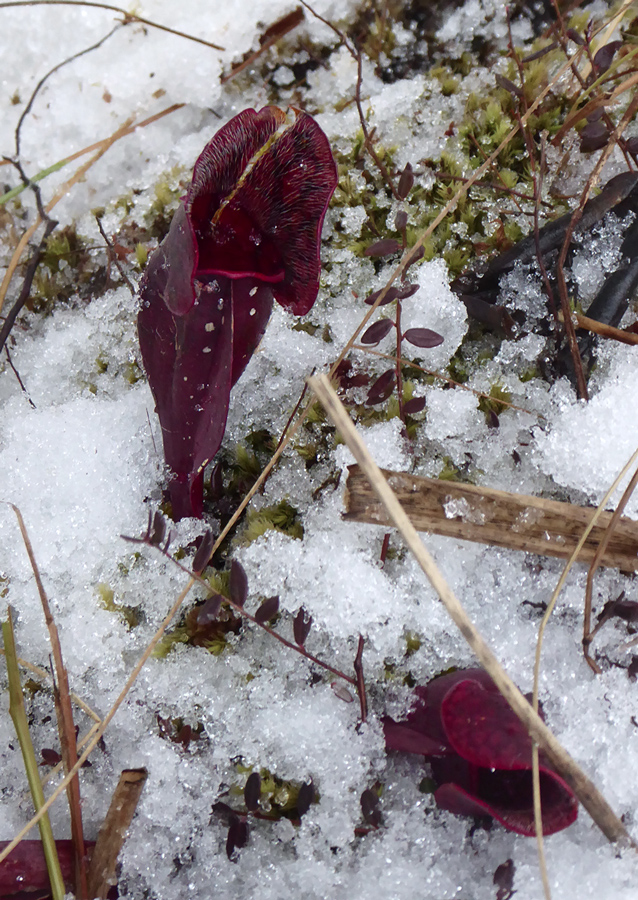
x=305 y=798
x=377 y=331
x=301 y=626
x=238 y=583
x=414 y=406
x=202 y=556
x=210 y=610
x=268 y=610
x=384 y=247
x=423 y=337
x=392 y=294
x=406 y=182
x=252 y=791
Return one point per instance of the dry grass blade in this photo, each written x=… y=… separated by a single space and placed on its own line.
x=498 y=518
x=42 y=673
x=608 y=331
x=101 y=728
x=113 y=832
x=59 y=194
x=66 y=725
x=19 y=717
x=583 y=788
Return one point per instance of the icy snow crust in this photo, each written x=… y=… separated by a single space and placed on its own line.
x=84 y=465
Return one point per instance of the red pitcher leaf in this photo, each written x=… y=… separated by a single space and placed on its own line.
x=423 y=337
x=482 y=728
x=248 y=229
x=480 y=754
x=25 y=868
x=377 y=331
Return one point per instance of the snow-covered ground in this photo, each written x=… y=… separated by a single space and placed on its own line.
x=83 y=463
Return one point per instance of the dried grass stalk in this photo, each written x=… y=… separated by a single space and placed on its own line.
x=498 y=518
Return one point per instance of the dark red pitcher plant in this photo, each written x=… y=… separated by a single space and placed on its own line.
x=247 y=231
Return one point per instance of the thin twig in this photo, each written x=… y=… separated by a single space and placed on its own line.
x=116 y=261
x=584 y=789
x=18 y=377
x=128 y=16
x=361 y=685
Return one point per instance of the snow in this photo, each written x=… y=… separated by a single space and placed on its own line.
x=84 y=465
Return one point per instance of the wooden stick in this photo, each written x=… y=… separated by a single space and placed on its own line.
x=591 y=798
x=113 y=832
x=499 y=518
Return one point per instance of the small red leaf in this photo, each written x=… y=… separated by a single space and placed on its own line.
x=210 y=610
x=377 y=331
x=50 y=757
x=392 y=294
x=384 y=247
x=252 y=791
x=301 y=626
x=381 y=388
x=202 y=556
x=238 y=583
x=412 y=407
x=604 y=56
x=422 y=337
x=406 y=182
x=268 y=610
x=401 y=220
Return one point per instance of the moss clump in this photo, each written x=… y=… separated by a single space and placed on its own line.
x=282 y=517
x=106 y=598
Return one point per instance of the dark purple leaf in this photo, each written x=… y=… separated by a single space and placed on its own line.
x=504 y=880
x=605 y=55
x=252 y=791
x=157 y=530
x=382 y=388
x=401 y=220
x=268 y=610
x=238 y=583
x=210 y=610
x=202 y=556
x=620 y=608
x=508 y=85
x=391 y=295
x=493 y=420
x=384 y=247
x=342 y=692
x=237 y=837
x=422 y=337
x=305 y=797
x=593 y=136
x=407 y=290
x=412 y=407
x=406 y=181
x=224 y=811
x=248 y=230
x=574 y=36
x=301 y=626
x=370 y=808
x=377 y=331
x=50 y=757
x=632 y=145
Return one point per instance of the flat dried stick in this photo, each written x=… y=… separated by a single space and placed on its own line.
x=113 y=832
x=498 y=518
x=583 y=787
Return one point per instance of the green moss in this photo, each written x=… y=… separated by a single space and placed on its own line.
x=106 y=599
x=282 y=517
x=497 y=402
